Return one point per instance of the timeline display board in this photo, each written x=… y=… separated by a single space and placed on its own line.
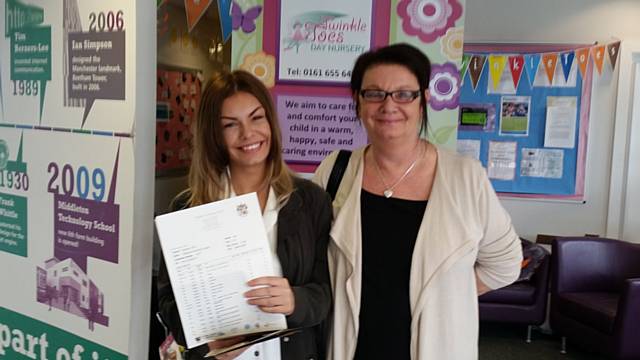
x=67 y=165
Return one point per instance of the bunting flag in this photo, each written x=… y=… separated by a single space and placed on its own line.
x=550 y=61
x=613 y=49
x=195 y=9
x=516 y=65
x=566 y=60
x=532 y=61
x=496 y=67
x=224 y=11
x=464 y=65
x=583 y=59
x=476 y=65
x=598 y=57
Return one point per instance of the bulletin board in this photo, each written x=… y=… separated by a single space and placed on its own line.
x=524 y=113
x=178 y=94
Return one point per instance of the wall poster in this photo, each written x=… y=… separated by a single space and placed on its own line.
x=67 y=110
x=305 y=51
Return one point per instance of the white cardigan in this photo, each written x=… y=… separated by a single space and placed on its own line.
x=464 y=229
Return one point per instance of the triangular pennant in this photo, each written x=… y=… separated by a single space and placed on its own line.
x=516 y=65
x=598 y=57
x=224 y=9
x=496 y=67
x=195 y=9
x=531 y=63
x=566 y=60
x=613 y=49
x=549 y=61
x=464 y=65
x=476 y=65
x=583 y=59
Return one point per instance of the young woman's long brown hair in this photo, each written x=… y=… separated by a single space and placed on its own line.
x=208 y=172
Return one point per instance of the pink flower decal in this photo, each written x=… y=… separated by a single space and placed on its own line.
x=428 y=19
x=444 y=86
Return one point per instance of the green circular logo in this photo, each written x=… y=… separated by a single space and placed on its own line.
x=4 y=154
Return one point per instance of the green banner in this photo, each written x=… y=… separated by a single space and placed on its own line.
x=22 y=337
x=13 y=224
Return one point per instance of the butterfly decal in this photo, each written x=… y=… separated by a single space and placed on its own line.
x=245 y=20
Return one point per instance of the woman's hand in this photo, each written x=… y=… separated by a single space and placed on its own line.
x=275 y=296
x=223 y=343
x=482 y=288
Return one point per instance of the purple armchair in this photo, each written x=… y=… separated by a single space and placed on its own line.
x=523 y=302
x=595 y=295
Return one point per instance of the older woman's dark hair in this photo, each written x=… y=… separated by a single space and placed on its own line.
x=398 y=54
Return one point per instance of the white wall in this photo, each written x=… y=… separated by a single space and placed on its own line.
x=630 y=229
x=573 y=21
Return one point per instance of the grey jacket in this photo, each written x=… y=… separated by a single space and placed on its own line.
x=303 y=234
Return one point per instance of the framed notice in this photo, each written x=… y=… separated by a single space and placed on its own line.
x=312 y=32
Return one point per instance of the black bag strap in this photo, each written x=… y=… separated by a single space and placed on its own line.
x=337 y=172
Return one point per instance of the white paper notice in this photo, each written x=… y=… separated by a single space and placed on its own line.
x=501 y=164
x=470 y=148
x=211 y=251
x=314 y=32
x=544 y=163
x=560 y=128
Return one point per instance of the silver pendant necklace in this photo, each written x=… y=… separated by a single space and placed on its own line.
x=388 y=190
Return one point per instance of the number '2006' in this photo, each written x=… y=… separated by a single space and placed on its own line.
x=106 y=22
x=69 y=181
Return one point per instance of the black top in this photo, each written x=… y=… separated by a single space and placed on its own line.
x=389 y=231
x=303 y=234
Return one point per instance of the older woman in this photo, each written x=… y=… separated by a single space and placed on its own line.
x=237 y=150
x=418 y=231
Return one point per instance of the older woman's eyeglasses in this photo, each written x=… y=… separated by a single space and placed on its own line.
x=399 y=96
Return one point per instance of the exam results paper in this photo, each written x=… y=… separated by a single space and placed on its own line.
x=211 y=251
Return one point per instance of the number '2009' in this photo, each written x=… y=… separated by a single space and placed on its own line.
x=69 y=181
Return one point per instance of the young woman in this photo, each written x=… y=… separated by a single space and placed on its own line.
x=237 y=150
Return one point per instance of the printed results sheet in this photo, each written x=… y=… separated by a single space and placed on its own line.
x=211 y=251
